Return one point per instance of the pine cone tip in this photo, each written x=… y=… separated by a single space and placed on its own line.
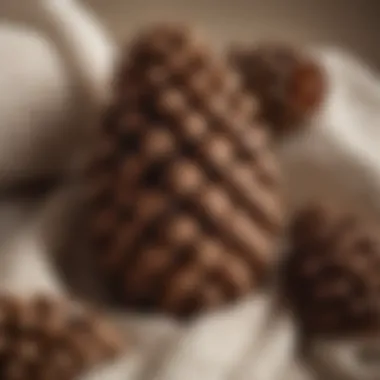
x=287 y=81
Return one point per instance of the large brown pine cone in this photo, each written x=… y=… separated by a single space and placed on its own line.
x=45 y=339
x=332 y=275
x=184 y=189
x=288 y=82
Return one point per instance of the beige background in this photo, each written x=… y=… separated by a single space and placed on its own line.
x=350 y=24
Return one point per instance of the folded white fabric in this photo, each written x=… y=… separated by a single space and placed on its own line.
x=337 y=155
x=244 y=342
x=56 y=63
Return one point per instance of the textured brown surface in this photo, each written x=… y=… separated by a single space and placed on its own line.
x=333 y=272
x=44 y=338
x=184 y=187
x=288 y=83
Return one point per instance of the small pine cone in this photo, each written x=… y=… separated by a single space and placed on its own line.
x=183 y=186
x=289 y=84
x=332 y=274
x=44 y=339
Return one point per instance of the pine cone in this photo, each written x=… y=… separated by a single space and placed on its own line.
x=183 y=187
x=332 y=275
x=288 y=83
x=42 y=338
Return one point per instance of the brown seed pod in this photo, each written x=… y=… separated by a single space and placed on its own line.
x=184 y=189
x=289 y=84
x=332 y=274
x=45 y=338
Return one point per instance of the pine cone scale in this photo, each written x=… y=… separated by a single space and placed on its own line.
x=39 y=339
x=332 y=273
x=185 y=127
x=290 y=85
